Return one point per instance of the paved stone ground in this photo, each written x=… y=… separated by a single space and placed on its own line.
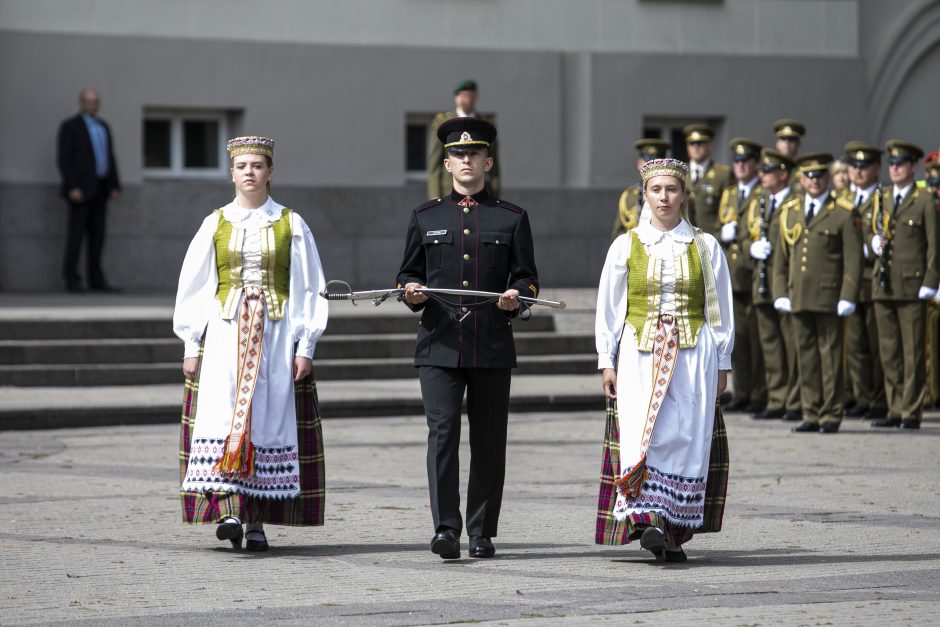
x=819 y=530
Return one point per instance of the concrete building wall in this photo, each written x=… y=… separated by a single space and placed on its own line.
x=572 y=84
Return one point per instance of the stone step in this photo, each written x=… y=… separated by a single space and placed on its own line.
x=63 y=328
x=45 y=375
x=52 y=408
x=330 y=346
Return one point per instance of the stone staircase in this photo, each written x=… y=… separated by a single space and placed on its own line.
x=101 y=367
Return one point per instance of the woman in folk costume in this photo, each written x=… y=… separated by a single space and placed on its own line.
x=664 y=332
x=249 y=311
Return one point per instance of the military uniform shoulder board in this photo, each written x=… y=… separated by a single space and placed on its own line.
x=427 y=205
x=509 y=205
x=845 y=202
x=792 y=203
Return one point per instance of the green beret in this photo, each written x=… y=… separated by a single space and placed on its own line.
x=467 y=84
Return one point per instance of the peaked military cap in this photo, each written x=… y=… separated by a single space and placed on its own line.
x=901 y=151
x=465 y=133
x=651 y=148
x=813 y=164
x=774 y=161
x=698 y=133
x=467 y=84
x=743 y=149
x=860 y=154
x=785 y=127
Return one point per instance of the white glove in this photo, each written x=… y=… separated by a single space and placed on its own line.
x=729 y=232
x=782 y=304
x=877 y=245
x=845 y=308
x=865 y=251
x=761 y=249
x=926 y=293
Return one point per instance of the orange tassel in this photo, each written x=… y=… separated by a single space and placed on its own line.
x=631 y=483
x=237 y=461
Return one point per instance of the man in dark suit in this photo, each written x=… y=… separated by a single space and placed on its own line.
x=89 y=179
x=467 y=240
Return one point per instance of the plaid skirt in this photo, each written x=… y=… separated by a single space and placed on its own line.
x=609 y=530
x=305 y=510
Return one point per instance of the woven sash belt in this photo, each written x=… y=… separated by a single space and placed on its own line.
x=238 y=459
x=665 y=350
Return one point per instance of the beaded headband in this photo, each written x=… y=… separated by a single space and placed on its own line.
x=664 y=167
x=250 y=145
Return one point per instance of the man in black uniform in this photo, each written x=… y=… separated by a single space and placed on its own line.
x=467 y=240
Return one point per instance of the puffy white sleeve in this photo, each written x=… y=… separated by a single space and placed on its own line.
x=307 y=311
x=195 y=296
x=724 y=332
x=612 y=302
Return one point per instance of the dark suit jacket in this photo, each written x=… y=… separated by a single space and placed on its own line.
x=487 y=248
x=76 y=158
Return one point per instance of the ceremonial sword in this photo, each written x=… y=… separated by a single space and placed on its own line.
x=341 y=290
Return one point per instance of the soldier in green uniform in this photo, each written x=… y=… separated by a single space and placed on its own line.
x=774 y=328
x=707 y=178
x=906 y=273
x=747 y=363
x=932 y=398
x=789 y=134
x=440 y=181
x=862 y=361
x=818 y=279
x=631 y=200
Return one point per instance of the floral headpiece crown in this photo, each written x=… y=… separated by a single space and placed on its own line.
x=664 y=167
x=250 y=145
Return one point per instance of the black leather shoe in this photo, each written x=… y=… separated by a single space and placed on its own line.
x=769 y=414
x=829 y=427
x=886 y=422
x=677 y=555
x=481 y=546
x=231 y=530
x=256 y=545
x=754 y=407
x=876 y=413
x=446 y=543
x=856 y=412
x=806 y=427
x=738 y=405
x=654 y=541
x=793 y=416
x=910 y=423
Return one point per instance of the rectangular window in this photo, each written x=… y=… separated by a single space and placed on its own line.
x=185 y=143
x=670 y=129
x=417 y=138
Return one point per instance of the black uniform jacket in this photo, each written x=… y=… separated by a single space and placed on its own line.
x=76 y=158
x=483 y=244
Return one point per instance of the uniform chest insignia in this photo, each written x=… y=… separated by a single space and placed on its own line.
x=433 y=233
x=708 y=189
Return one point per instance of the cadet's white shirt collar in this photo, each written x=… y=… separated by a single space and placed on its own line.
x=268 y=213
x=779 y=196
x=464 y=114
x=865 y=193
x=904 y=191
x=748 y=187
x=819 y=200
x=650 y=235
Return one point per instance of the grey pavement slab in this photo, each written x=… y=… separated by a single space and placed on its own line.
x=819 y=530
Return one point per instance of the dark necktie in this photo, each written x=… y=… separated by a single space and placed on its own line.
x=859 y=200
x=897 y=203
x=741 y=197
x=773 y=205
x=810 y=212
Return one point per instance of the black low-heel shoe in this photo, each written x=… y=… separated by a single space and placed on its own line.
x=231 y=531
x=654 y=541
x=446 y=543
x=257 y=545
x=676 y=556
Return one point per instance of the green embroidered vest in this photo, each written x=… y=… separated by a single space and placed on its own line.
x=644 y=294
x=275 y=265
